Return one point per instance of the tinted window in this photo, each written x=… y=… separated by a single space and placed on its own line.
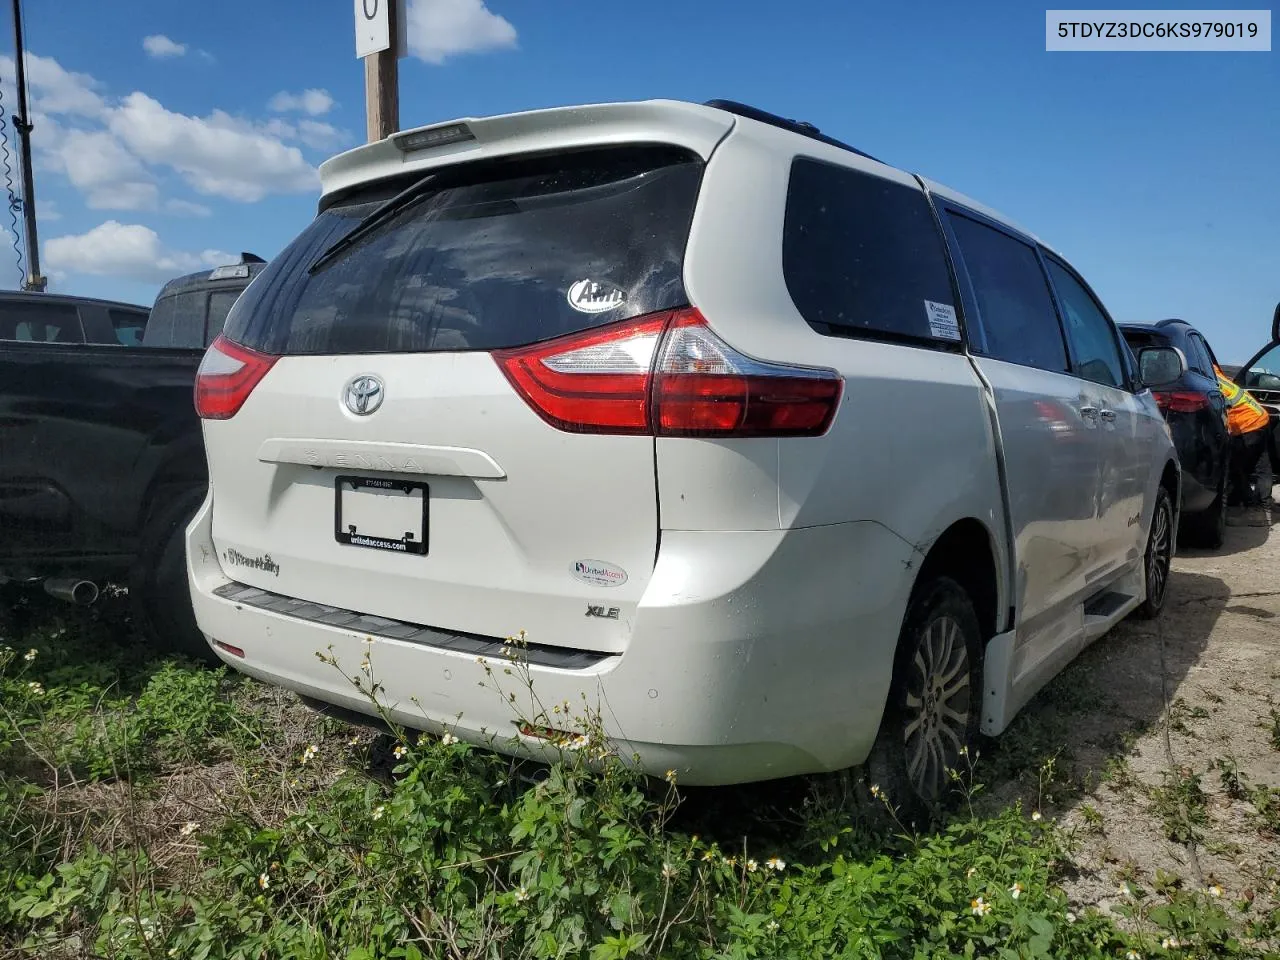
x=863 y=255
x=1019 y=323
x=1096 y=354
x=129 y=326
x=177 y=321
x=220 y=302
x=496 y=255
x=42 y=322
x=1199 y=357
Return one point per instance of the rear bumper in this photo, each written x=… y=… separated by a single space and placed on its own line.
x=752 y=655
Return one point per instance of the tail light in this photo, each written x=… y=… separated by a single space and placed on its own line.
x=1181 y=401
x=227 y=375
x=668 y=374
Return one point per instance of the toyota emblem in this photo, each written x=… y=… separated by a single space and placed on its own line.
x=363 y=395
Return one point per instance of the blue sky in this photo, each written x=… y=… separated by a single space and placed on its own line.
x=1155 y=174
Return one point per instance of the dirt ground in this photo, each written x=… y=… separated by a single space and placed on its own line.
x=1164 y=736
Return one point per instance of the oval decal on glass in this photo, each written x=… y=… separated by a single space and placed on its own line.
x=588 y=296
x=599 y=574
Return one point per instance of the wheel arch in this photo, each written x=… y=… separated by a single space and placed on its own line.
x=966 y=552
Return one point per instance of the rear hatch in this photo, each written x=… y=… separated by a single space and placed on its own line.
x=366 y=448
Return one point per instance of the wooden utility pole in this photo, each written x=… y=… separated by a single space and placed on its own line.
x=382 y=78
x=22 y=126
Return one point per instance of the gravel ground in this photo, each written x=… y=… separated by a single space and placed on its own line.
x=1163 y=737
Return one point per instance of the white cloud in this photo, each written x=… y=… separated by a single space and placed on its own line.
x=185 y=208
x=314 y=102
x=53 y=89
x=161 y=47
x=47 y=211
x=98 y=165
x=114 y=151
x=126 y=250
x=218 y=155
x=438 y=29
x=313 y=133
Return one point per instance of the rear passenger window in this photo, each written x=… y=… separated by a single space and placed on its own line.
x=1200 y=359
x=862 y=255
x=40 y=322
x=1093 y=341
x=1018 y=321
x=128 y=325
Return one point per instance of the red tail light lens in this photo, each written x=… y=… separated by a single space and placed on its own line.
x=227 y=375
x=668 y=374
x=1181 y=401
x=593 y=382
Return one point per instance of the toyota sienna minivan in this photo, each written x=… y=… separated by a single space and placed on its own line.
x=784 y=459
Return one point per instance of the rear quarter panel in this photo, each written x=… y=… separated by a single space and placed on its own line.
x=911 y=446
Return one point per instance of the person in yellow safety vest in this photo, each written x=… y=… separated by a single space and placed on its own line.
x=1249 y=425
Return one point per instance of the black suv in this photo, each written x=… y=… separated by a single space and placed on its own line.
x=1196 y=413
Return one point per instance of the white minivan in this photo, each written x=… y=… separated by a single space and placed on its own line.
x=781 y=457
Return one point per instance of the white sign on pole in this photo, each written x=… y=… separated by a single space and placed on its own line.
x=373 y=27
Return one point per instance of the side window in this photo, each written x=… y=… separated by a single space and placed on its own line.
x=1092 y=338
x=1202 y=362
x=1015 y=306
x=41 y=322
x=863 y=256
x=220 y=302
x=128 y=325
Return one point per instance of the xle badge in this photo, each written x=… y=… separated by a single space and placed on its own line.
x=599 y=611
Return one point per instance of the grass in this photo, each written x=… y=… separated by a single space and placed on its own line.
x=152 y=808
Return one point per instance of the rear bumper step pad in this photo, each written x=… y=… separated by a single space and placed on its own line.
x=541 y=655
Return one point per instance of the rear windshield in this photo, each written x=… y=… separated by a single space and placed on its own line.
x=1138 y=338
x=497 y=254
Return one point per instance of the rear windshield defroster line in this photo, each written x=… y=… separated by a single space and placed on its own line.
x=491 y=255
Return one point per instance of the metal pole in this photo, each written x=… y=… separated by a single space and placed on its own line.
x=22 y=124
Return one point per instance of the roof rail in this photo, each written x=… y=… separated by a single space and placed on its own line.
x=801 y=127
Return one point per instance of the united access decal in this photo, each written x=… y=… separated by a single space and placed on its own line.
x=598 y=573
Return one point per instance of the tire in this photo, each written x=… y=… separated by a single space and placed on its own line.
x=1158 y=557
x=1208 y=528
x=158 y=588
x=934 y=704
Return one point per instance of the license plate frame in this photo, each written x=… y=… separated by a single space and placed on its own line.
x=348 y=534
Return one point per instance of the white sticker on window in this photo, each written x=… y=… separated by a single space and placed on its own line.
x=588 y=296
x=942 y=320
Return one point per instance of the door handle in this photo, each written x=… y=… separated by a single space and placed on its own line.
x=1089 y=413
x=1109 y=416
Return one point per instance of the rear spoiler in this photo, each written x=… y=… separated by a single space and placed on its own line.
x=697 y=128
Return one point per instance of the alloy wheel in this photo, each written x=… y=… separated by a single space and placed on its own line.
x=938 y=704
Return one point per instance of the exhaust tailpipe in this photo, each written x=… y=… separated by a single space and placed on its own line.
x=82 y=593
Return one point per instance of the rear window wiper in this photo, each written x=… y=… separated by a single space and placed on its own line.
x=402 y=201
